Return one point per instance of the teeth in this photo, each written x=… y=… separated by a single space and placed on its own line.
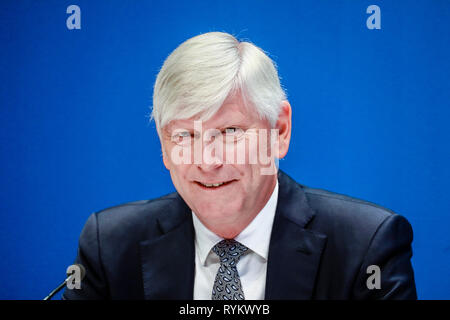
x=209 y=185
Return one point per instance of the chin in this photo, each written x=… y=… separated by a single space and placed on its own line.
x=218 y=209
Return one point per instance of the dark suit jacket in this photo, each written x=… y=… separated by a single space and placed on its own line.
x=320 y=248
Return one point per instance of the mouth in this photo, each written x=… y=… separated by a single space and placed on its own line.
x=213 y=186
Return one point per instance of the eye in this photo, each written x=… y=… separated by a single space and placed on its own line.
x=232 y=131
x=233 y=134
x=182 y=137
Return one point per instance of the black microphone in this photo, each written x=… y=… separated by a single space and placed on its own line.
x=69 y=278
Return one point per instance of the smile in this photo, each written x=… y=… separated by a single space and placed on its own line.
x=213 y=185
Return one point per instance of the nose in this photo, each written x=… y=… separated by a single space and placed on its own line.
x=212 y=156
x=208 y=167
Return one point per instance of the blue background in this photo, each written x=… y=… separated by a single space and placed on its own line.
x=370 y=115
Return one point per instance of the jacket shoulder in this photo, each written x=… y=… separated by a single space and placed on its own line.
x=331 y=209
x=135 y=220
x=361 y=234
x=349 y=223
x=345 y=207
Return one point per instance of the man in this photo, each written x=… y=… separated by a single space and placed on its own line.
x=237 y=227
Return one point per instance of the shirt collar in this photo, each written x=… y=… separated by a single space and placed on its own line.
x=254 y=236
x=205 y=239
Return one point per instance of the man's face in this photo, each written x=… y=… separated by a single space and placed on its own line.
x=223 y=168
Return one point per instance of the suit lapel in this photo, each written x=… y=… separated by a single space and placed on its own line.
x=294 y=252
x=168 y=261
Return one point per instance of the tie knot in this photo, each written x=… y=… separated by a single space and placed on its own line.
x=229 y=251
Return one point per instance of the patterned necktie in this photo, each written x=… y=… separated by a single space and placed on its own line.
x=227 y=285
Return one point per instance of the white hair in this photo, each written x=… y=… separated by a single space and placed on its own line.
x=203 y=71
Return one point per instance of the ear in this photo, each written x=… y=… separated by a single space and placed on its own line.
x=284 y=126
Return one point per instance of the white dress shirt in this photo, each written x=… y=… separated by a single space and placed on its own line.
x=252 y=266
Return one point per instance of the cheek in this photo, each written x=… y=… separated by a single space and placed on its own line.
x=246 y=150
x=166 y=151
x=236 y=153
x=253 y=149
x=178 y=175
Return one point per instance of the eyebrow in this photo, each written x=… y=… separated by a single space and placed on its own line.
x=240 y=124
x=240 y=121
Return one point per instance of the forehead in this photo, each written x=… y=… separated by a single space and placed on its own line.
x=232 y=112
